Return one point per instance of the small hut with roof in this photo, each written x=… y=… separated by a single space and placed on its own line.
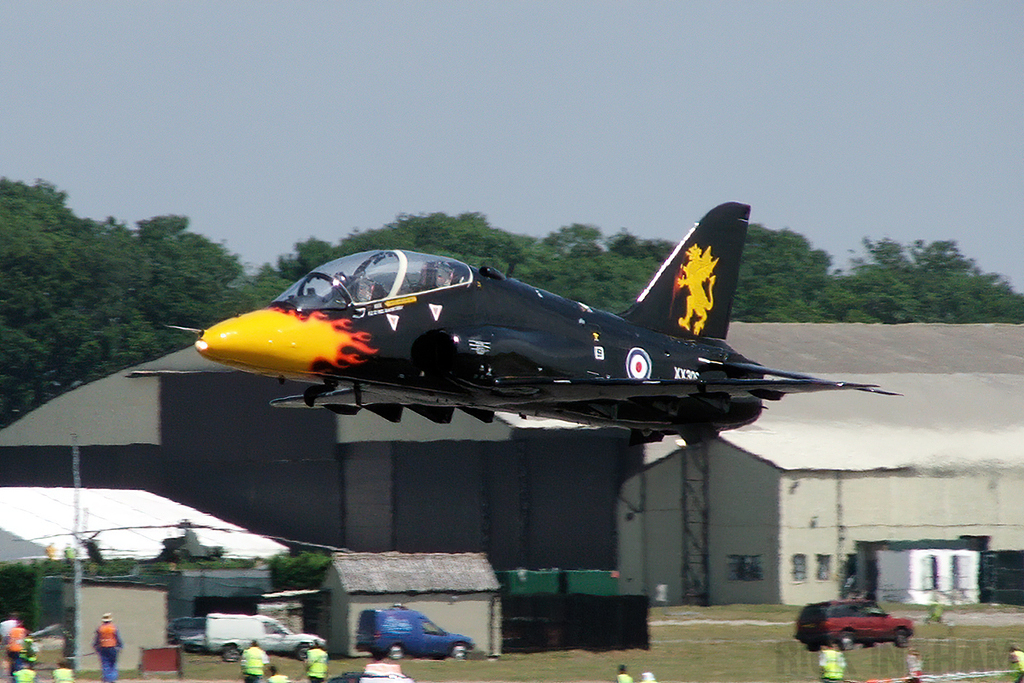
x=457 y=591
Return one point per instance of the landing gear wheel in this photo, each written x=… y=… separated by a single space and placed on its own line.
x=396 y=651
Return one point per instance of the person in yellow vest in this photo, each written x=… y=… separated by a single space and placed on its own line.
x=64 y=673
x=28 y=652
x=107 y=644
x=253 y=661
x=276 y=677
x=316 y=664
x=623 y=677
x=832 y=663
x=26 y=674
x=1017 y=663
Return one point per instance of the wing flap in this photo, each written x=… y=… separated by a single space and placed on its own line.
x=624 y=389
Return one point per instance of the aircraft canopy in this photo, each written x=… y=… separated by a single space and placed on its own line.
x=370 y=276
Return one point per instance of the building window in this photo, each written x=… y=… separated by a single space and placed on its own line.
x=824 y=567
x=799 y=567
x=745 y=568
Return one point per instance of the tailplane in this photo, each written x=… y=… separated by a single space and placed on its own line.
x=691 y=294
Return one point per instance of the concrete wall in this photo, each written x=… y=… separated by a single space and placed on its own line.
x=810 y=507
x=936 y=504
x=743 y=514
x=744 y=523
x=650 y=532
x=139 y=612
x=334 y=620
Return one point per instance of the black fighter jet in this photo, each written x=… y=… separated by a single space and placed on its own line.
x=391 y=330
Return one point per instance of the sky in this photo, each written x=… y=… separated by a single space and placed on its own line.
x=267 y=123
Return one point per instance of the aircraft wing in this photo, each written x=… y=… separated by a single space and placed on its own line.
x=625 y=389
x=338 y=397
x=512 y=391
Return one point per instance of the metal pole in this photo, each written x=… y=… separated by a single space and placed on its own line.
x=76 y=471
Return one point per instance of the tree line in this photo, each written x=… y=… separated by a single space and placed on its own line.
x=83 y=298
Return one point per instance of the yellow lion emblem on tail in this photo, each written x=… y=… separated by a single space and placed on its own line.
x=697 y=275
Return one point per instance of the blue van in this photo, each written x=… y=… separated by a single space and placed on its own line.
x=397 y=632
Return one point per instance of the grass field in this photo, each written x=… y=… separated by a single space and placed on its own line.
x=741 y=643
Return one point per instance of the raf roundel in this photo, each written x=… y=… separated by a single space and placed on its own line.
x=638 y=364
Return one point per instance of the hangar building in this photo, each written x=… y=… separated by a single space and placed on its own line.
x=189 y=430
x=769 y=513
x=796 y=503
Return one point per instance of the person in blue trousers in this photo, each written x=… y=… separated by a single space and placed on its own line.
x=107 y=644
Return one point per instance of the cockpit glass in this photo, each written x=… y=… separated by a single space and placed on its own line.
x=371 y=276
x=425 y=273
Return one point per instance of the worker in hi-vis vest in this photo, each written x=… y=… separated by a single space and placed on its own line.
x=832 y=663
x=26 y=674
x=316 y=664
x=64 y=673
x=107 y=644
x=253 y=661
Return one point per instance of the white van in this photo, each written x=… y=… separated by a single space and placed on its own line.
x=230 y=634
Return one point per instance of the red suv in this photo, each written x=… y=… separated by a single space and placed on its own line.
x=846 y=622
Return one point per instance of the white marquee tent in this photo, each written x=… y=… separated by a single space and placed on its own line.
x=124 y=523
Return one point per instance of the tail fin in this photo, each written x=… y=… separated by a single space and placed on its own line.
x=691 y=294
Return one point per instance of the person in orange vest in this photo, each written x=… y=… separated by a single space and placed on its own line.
x=14 y=643
x=107 y=644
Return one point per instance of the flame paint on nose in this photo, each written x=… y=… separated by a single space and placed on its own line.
x=275 y=341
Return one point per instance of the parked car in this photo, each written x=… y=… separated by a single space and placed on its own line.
x=397 y=632
x=847 y=622
x=230 y=634
x=189 y=632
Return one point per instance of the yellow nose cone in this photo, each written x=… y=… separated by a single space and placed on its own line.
x=272 y=341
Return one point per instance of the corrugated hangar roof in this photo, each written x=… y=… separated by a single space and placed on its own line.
x=961 y=408
x=125 y=523
x=415 y=572
x=921 y=348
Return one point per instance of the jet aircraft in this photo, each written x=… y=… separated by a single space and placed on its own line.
x=394 y=330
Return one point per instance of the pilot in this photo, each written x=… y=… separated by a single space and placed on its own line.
x=444 y=277
x=361 y=290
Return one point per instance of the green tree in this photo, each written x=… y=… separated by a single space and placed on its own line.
x=84 y=298
x=300 y=572
x=782 y=279
x=20 y=587
x=921 y=282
